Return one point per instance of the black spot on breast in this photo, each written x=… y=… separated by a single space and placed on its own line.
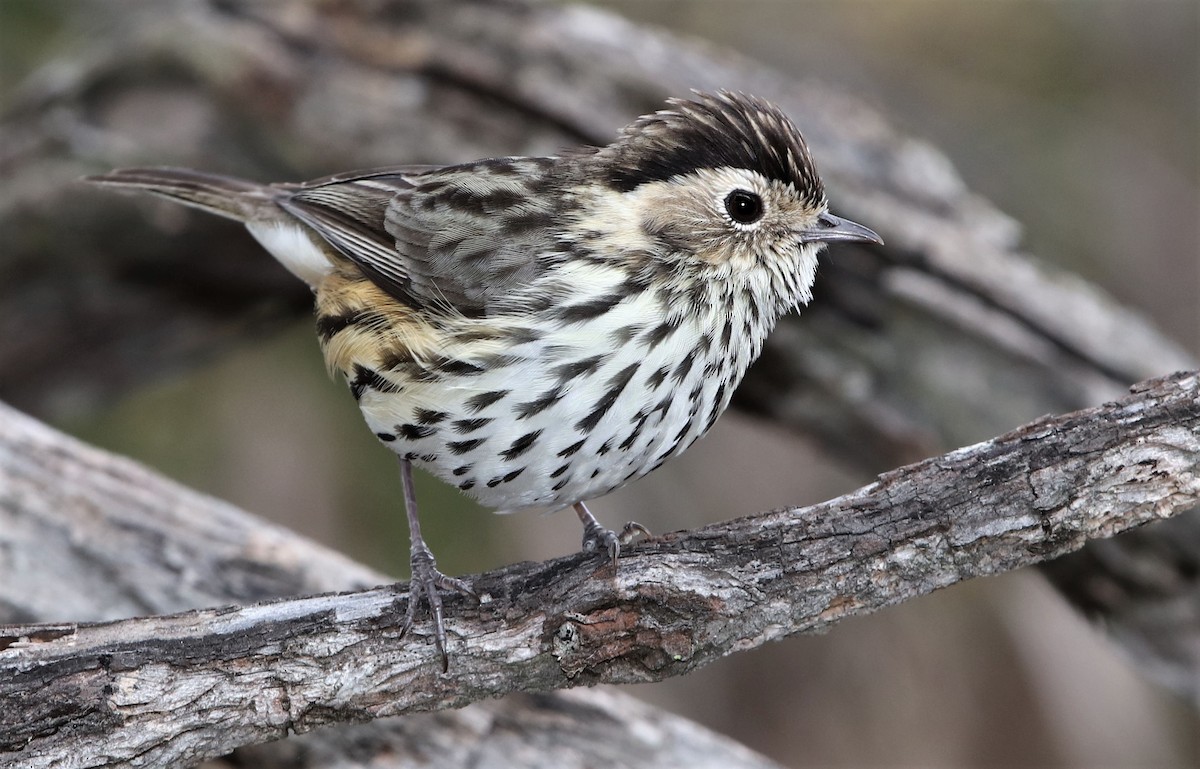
x=462 y=447
x=633 y=436
x=604 y=448
x=655 y=380
x=477 y=403
x=455 y=367
x=562 y=483
x=366 y=378
x=467 y=484
x=593 y=308
x=717 y=406
x=464 y=426
x=415 y=432
x=625 y=334
x=616 y=384
x=520 y=445
x=572 y=449
x=522 y=334
x=685 y=365
x=540 y=404
x=568 y=371
x=386 y=437
x=429 y=417
x=560 y=470
x=655 y=336
x=513 y=475
x=463 y=470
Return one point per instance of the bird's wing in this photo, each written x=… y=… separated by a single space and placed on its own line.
x=454 y=237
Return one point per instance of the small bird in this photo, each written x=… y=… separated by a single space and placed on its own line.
x=539 y=331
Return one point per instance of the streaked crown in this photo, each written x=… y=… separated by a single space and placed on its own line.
x=713 y=131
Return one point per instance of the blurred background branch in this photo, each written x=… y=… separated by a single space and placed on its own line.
x=950 y=334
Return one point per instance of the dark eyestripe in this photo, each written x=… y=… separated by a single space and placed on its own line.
x=615 y=385
x=520 y=445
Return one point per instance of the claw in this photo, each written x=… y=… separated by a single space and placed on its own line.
x=426 y=579
x=426 y=582
x=596 y=537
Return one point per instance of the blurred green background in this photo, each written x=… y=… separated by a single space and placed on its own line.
x=1080 y=118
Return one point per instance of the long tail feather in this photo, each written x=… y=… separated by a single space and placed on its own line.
x=222 y=195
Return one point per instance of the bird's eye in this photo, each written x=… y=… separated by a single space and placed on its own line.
x=743 y=207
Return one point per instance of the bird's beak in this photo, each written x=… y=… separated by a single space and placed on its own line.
x=830 y=228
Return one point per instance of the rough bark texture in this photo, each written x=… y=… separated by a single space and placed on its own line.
x=947 y=334
x=89 y=536
x=189 y=686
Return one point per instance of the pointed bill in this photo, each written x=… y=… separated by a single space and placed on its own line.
x=830 y=229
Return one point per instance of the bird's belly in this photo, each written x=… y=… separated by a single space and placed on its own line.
x=568 y=423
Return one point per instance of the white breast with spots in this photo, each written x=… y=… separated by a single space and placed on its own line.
x=575 y=413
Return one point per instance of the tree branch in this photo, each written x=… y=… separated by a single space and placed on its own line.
x=195 y=685
x=88 y=535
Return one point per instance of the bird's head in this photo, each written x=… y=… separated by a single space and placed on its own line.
x=721 y=186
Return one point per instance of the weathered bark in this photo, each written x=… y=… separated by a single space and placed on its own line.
x=189 y=686
x=948 y=334
x=88 y=536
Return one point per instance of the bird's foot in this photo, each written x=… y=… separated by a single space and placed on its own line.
x=596 y=538
x=425 y=584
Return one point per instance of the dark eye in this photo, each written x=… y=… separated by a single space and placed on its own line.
x=744 y=207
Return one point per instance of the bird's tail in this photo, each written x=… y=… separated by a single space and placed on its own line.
x=222 y=195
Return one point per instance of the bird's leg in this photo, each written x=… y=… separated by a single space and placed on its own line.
x=596 y=537
x=426 y=579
